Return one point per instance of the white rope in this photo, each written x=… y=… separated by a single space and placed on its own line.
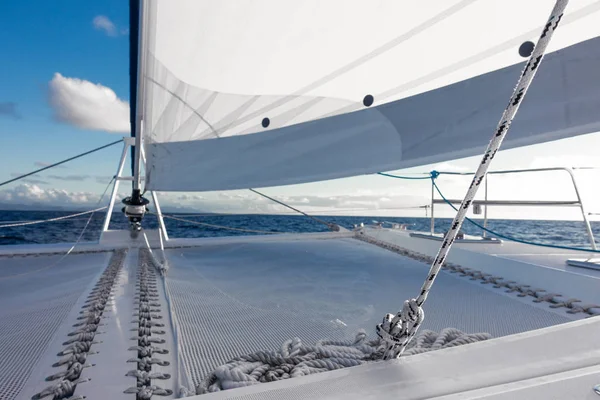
x=40 y=221
x=397 y=330
x=163 y=266
x=296 y=359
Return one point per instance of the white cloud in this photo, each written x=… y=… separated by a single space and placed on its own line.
x=189 y=197
x=234 y=202
x=564 y=160
x=104 y=24
x=450 y=167
x=28 y=194
x=88 y=105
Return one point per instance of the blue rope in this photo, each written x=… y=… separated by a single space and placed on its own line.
x=434 y=174
x=512 y=239
x=403 y=177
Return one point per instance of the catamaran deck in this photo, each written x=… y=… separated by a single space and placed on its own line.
x=38 y=294
x=232 y=296
x=236 y=299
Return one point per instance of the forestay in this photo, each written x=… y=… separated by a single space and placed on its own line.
x=266 y=92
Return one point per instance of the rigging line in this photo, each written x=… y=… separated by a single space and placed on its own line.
x=398 y=330
x=404 y=177
x=512 y=239
x=154 y=259
x=162 y=266
x=60 y=162
x=331 y=226
x=30 y=220
x=217 y=226
x=74 y=244
x=24 y=223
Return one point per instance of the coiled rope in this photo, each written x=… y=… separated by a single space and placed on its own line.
x=296 y=359
x=398 y=330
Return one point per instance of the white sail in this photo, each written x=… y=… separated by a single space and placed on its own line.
x=270 y=92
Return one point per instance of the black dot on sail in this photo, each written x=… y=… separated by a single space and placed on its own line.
x=265 y=122
x=368 y=100
x=526 y=49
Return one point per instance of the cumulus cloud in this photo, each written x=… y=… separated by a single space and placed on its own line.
x=366 y=203
x=450 y=167
x=27 y=194
x=88 y=105
x=564 y=160
x=32 y=193
x=189 y=197
x=9 y=109
x=102 y=23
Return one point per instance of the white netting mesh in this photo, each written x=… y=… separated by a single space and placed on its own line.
x=35 y=301
x=231 y=300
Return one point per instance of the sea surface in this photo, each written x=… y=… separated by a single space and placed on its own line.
x=565 y=233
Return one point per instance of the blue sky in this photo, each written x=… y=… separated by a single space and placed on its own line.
x=41 y=39
x=87 y=44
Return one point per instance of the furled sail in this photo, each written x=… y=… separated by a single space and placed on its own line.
x=257 y=93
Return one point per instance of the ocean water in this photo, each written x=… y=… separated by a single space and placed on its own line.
x=566 y=233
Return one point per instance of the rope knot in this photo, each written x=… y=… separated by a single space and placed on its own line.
x=397 y=330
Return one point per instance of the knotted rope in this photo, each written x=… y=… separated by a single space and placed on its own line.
x=398 y=330
x=296 y=359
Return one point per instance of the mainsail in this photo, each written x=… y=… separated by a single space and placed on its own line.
x=261 y=93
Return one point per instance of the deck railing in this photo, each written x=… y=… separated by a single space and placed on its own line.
x=477 y=204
